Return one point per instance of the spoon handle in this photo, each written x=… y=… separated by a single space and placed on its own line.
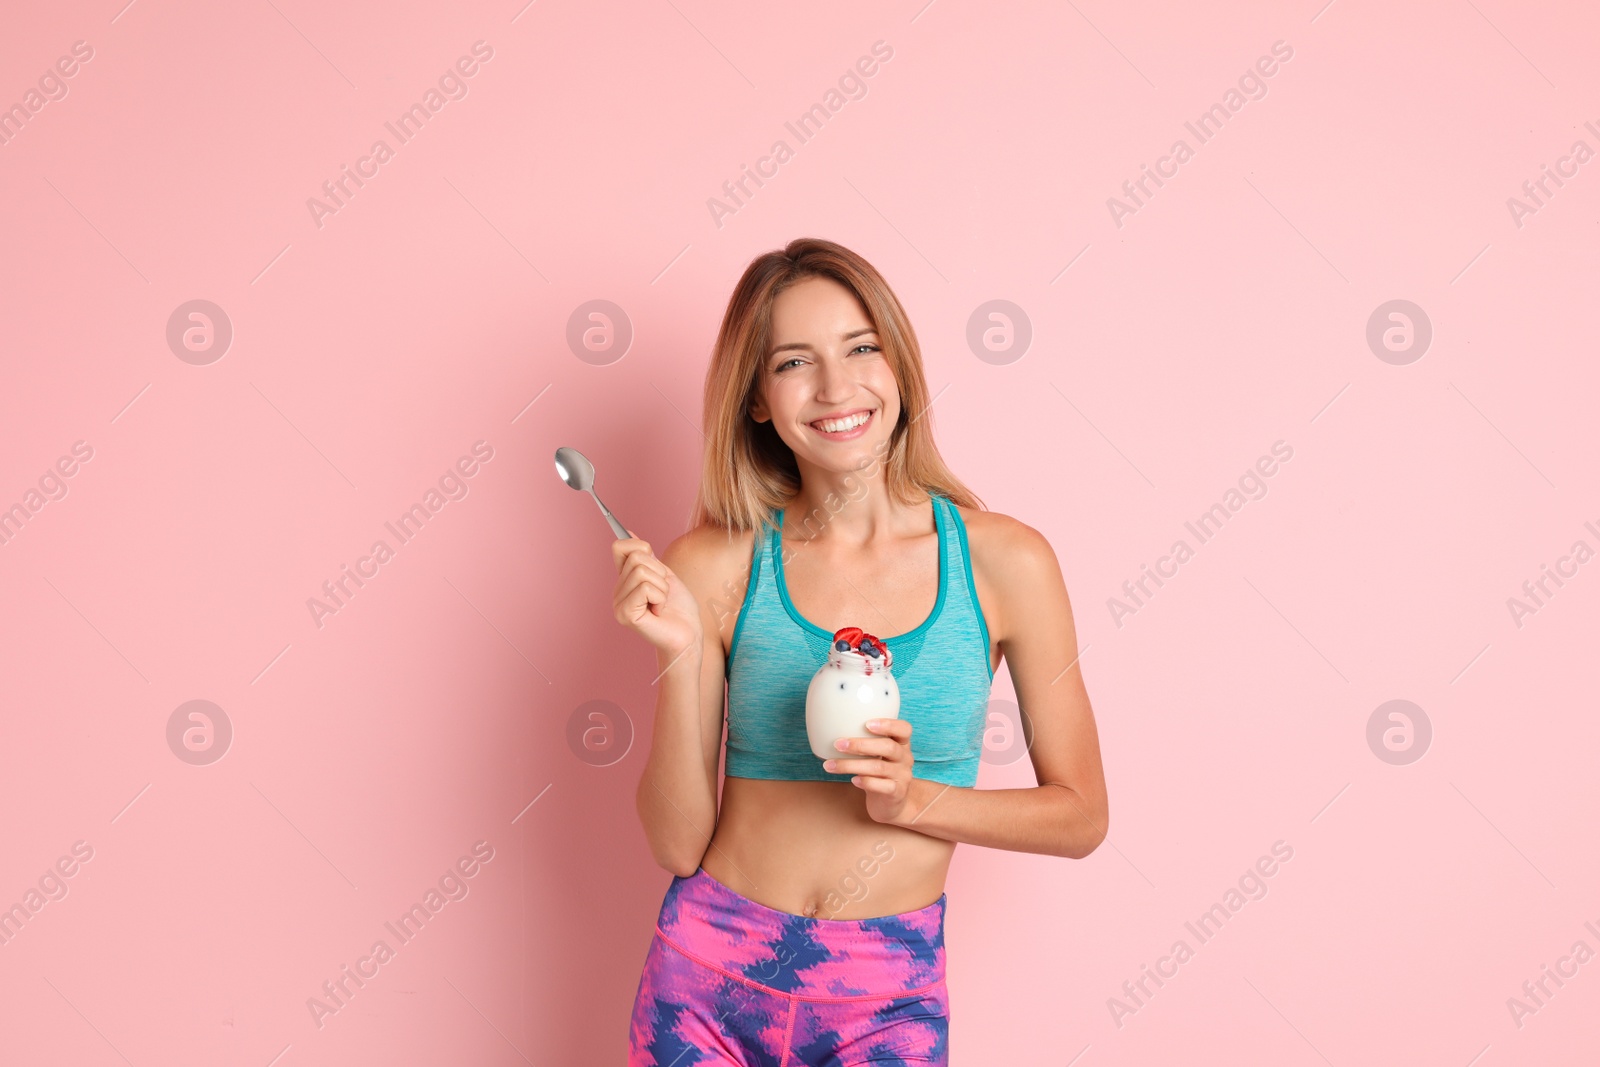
x=616 y=527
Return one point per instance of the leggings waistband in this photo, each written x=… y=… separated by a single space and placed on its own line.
x=801 y=956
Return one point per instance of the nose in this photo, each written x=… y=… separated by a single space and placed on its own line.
x=836 y=381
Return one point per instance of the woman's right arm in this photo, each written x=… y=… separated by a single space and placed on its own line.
x=665 y=600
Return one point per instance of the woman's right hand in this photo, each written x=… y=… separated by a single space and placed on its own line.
x=653 y=601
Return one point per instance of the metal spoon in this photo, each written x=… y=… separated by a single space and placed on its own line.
x=576 y=470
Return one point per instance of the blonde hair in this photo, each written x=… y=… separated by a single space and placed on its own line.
x=747 y=469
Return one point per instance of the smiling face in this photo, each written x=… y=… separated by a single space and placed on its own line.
x=825 y=383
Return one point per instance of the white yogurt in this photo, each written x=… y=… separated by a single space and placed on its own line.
x=844 y=693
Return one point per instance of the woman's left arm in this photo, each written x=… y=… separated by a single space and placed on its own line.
x=1031 y=616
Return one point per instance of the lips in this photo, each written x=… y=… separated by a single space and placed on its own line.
x=843 y=434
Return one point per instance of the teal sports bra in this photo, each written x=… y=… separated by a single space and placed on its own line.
x=942 y=668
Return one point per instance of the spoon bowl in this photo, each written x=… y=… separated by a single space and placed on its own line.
x=576 y=470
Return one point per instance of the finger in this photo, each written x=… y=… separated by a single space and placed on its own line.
x=637 y=564
x=623 y=544
x=887 y=747
x=624 y=547
x=629 y=583
x=874 y=785
x=648 y=565
x=636 y=598
x=900 y=729
x=654 y=593
x=875 y=768
x=633 y=557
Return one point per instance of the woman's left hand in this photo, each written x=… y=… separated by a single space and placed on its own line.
x=884 y=770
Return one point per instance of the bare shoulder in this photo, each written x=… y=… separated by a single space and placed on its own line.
x=713 y=561
x=1003 y=546
x=1012 y=564
x=708 y=546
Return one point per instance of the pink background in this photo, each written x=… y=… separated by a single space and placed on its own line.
x=368 y=354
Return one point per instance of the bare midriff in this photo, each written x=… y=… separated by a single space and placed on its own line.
x=811 y=849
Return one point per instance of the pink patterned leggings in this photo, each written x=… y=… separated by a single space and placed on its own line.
x=730 y=981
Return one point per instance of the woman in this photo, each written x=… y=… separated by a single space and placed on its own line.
x=805 y=920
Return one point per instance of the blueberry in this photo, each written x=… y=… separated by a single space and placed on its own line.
x=870 y=649
x=842 y=645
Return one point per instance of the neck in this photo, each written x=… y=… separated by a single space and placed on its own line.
x=851 y=509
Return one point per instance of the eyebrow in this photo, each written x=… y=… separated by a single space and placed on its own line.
x=806 y=347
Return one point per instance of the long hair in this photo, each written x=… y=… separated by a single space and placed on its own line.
x=747 y=469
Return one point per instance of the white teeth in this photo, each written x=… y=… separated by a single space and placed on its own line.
x=848 y=423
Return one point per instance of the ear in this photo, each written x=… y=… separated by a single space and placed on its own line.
x=758 y=409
